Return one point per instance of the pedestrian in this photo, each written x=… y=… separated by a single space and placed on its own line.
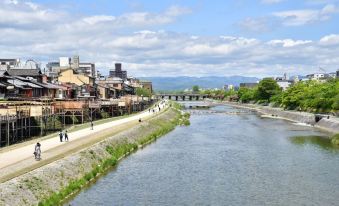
x=139 y=119
x=66 y=136
x=60 y=136
x=37 y=151
x=149 y=110
x=91 y=125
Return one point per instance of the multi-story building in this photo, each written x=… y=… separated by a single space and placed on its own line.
x=86 y=68
x=317 y=76
x=9 y=63
x=337 y=73
x=118 y=72
x=54 y=68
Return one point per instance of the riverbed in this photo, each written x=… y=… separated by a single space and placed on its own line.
x=226 y=156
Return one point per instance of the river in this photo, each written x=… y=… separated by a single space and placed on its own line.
x=224 y=158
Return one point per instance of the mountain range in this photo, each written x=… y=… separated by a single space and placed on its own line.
x=185 y=82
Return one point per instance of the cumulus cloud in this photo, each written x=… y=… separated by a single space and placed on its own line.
x=133 y=39
x=307 y=16
x=332 y=39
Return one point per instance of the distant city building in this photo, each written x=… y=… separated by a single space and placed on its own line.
x=337 y=73
x=54 y=68
x=228 y=87
x=317 y=76
x=86 y=68
x=332 y=75
x=283 y=82
x=9 y=63
x=118 y=72
x=248 y=85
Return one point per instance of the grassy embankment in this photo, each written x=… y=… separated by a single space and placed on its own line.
x=335 y=139
x=118 y=151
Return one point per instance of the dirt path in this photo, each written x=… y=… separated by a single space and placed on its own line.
x=20 y=159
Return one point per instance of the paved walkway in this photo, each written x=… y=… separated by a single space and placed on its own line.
x=8 y=159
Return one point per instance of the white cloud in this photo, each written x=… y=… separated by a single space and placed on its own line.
x=132 y=38
x=332 y=39
x=289 y=42
x=302 y=17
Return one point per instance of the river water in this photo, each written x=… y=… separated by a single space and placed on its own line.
x=224 y=158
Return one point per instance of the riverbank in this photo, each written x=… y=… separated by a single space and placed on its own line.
x=330 y=125
x=50 y=184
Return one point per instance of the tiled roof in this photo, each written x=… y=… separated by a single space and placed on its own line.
x=24 y=72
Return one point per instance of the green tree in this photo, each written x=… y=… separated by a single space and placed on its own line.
x=143 y=92
x=267 y=88
x=246 y=94
x=195 y=89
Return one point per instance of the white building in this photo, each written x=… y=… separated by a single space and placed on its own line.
x=74 y=63
x=284 y=84
x=9 y=63
x=228 y=87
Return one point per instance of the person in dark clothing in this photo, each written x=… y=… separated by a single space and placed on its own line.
x=37 y=151
x=60 y=136
x=66 y=136
x=91 y=125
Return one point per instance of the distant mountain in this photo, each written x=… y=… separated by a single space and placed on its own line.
x=183 y=82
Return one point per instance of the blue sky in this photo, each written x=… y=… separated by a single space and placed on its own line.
x=160 y=38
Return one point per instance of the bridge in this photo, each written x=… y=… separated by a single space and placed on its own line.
x=182 y=97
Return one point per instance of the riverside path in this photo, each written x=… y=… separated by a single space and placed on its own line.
x=20 y=159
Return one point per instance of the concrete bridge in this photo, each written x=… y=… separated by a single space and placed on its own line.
x=182 y=97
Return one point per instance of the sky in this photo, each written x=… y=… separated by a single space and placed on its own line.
x=176 y=37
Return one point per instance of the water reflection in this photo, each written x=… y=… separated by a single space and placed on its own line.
x=321 y=141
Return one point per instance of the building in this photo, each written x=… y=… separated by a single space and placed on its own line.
x=86 y=68
x=332 y=75
x=26 y=73
x=146 y=85
x=54 y=68
x=118 y=72
x=9 y=63
x=115 y=84
x=248 y=85
x=337 y=73
x=317 y=76
x=284 y=84
x=228 y=87
x=84 y=84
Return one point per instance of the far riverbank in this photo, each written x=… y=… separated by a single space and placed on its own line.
x=330 y=124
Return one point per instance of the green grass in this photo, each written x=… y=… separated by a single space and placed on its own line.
x=116 y=152
x=335 y=140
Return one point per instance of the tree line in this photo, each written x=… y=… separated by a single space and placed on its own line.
x=312 y=96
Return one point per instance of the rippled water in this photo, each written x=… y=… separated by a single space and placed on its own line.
x=225 y=159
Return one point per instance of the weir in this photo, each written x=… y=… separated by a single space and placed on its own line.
x=182 y=97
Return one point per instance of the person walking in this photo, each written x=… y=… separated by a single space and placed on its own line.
x=37 y=151
x=91 y=125
x=66 y=136
x=60 y=136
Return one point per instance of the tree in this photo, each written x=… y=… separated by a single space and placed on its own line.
x=195 y=89
x=143 y=92
x=267 y=88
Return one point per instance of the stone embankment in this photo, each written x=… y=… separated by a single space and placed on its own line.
x=52 y=183
x=327 y=123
